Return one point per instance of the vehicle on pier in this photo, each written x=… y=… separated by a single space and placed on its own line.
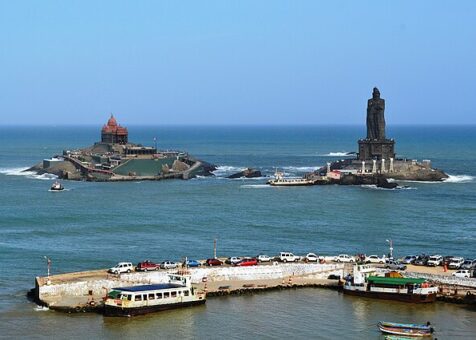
x=435 y=260
x=247 y=262
x=233 y=260
x=168 y=265
x=456 y=263
x=344 y=258
x=375 y=259
x=121 y=267
x=311 y=257
x=191 y=263
x=263 y=258
x=144 y=299
x=281 y=181
x=462 y=273
x=414 y=290
x=147 y=265
x=288 y=257
x=213 y=262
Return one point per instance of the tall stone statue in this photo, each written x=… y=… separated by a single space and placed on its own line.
x=375 y=116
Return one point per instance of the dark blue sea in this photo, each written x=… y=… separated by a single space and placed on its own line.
x=95 y=225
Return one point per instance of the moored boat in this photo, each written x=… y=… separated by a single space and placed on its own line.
x=56 y=186
x=280 y=180
x=411 y=330
x=415 y=290
x=144 y=299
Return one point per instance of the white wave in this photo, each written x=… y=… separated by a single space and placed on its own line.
x=374 y=187
x=28 y=174
x=255 y=186
x=338 y=154
x=249 y=179
x=458 y=179
x=300 y=168
x=225 y=170
x=59 y=190
x=41 y=308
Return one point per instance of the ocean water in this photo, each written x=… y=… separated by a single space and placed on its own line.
x=95 y=225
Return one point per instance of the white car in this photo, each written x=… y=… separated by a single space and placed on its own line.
x=462 y=273
x=311 y=257
x=344 y=258
x=121 y=267
x=456 y=262
x=263 y=258
x=168 y=265
x=435 y=260
x=375 y=259
x=288 y=257
x=233 y=260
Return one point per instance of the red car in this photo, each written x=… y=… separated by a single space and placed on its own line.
x=147 y=265
x=247 y=262
x=213 y=262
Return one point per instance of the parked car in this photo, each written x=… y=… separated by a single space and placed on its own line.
x=311 y=257
x=469 y=264
x=147 y=265
x=233 y=260
x=462 y=273
x=263 y=258
x=421 y=260
x=410 y=259
x=456 y=262
x=344 y=258
x=374 y=259
x=447 y=260
x=191 y=263
x=435 y=260
x=247 y=262
x=121 y=267
x=213 y=262
x=395 y=265
x=168 y=265
x=288 y=257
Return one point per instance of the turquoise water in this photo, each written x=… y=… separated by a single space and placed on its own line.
x=94 y=225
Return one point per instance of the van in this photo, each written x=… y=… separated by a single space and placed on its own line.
x=121 y=267
x=288 y=257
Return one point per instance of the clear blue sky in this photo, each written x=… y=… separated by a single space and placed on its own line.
x=236 y=62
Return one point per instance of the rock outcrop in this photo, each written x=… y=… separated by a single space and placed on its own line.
x=247 y=173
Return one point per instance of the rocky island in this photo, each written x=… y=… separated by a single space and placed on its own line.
x=114 y=158
x=376 y=160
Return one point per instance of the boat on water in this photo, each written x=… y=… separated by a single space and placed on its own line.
x=56 y=186
x=406 y=330
x=144 y=299
x=280 y=180
x=363 y=283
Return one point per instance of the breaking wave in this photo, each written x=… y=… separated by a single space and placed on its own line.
x=293 y=169
x=28 y=174
x=338 y=154
x=225 y=170
x=374 y=187
x=459 y=179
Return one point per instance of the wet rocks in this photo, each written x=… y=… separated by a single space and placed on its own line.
x=247 y=173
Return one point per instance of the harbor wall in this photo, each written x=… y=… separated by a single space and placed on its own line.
x=56 y=291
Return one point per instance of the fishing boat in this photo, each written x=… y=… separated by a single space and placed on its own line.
x=281 y=181
x=402 y=329
x=56 y=186
x=415 y=290
x=144 y=299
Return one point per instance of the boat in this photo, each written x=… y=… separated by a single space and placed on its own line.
x=362 y=283
x=144 y=299
x=56 y=186
x=412 y=330
x=280 y=180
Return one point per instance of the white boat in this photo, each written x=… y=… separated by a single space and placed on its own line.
x=56 y=186
x=280 y=180
x=143 y=299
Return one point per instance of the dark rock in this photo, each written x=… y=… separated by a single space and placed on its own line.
x=247 y=173
x=384 y=183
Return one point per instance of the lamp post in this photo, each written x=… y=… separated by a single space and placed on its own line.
x=390 y=243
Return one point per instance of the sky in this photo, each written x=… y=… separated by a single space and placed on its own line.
x=236 y=62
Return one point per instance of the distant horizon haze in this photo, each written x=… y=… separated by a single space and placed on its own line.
x=236 y=63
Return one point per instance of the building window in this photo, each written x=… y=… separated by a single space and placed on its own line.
x=151 y=296
x=138 y=298
x=174 y=294
x=159 y=295
x=166 y=295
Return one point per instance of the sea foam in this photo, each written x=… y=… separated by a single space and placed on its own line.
x=28 y=174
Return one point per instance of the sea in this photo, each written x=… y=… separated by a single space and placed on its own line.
x=95 y=225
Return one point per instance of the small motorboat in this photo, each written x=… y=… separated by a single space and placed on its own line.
x=57 y=186
x=406 y=329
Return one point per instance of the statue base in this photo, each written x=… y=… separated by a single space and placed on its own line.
x=376 y=149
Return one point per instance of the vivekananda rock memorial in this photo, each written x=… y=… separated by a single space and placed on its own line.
x=114 y=158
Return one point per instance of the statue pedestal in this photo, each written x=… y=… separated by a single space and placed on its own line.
x=376 y=149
